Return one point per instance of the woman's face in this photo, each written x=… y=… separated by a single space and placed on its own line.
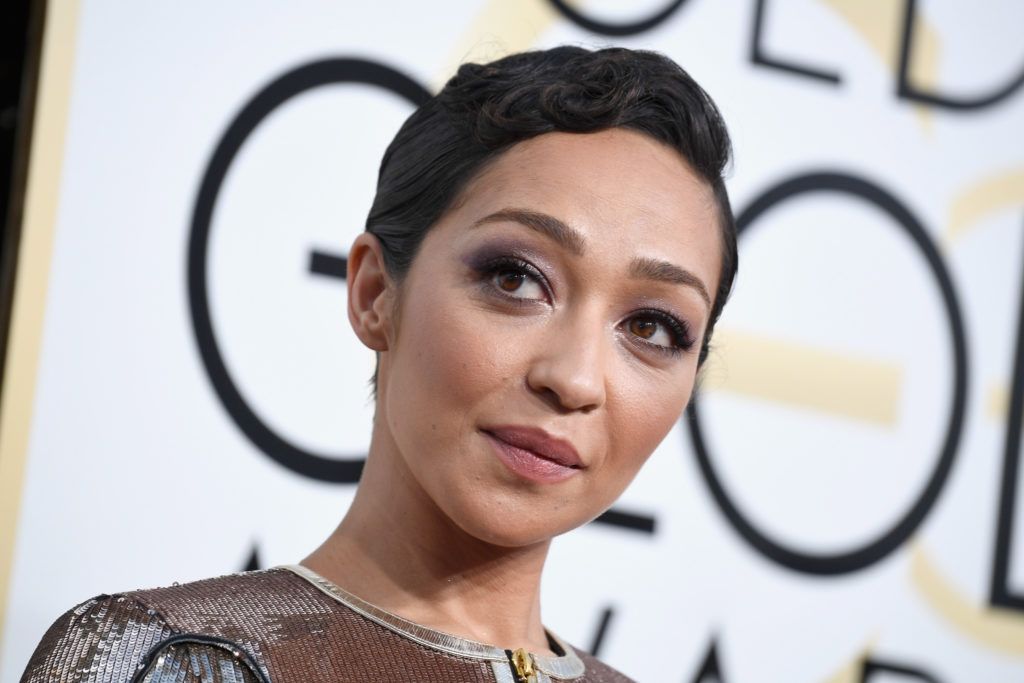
x=548 y=332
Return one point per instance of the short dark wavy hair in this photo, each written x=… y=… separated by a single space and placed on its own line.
x=487 y=108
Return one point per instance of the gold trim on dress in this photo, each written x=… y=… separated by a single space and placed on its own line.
x=567 y=666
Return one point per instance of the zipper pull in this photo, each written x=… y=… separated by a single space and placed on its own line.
x=522 y=662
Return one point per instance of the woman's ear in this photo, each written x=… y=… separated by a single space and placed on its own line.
x=370 y=292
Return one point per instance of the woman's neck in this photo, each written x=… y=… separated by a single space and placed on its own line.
x=396 y=549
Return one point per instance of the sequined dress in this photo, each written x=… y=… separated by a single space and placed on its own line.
x=281 y=625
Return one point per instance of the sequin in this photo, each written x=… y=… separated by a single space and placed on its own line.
x=279 y=625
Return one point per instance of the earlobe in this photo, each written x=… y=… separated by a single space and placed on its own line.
x=369 y=292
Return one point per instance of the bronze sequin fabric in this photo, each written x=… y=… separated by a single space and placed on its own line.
x=280 y=625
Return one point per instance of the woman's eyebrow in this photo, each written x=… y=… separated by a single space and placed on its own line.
x=573 y=241
x=568 y=238
x=656 y=269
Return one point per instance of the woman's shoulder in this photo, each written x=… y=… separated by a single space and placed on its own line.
x=238 y=627
x=219 y=624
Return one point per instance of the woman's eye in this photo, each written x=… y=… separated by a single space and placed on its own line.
x=517 y=283
x=661 y=330
x=651 y=331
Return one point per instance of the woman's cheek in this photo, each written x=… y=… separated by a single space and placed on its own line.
x=460 y=354
x=646 y=411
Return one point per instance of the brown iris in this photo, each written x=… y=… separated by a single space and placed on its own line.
x=643 y=327
x=510 y=280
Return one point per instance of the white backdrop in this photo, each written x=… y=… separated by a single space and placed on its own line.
x=846 y=506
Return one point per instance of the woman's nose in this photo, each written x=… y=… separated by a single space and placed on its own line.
x=570 y=367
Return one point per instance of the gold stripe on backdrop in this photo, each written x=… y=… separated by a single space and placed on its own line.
x=880 y=23
x=42 y=193
x=1004 y=190
x=997 y=401
x=993 y=627
x=853 y=670
x=813 y=378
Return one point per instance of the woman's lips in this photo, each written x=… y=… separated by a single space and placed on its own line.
x=533 y=454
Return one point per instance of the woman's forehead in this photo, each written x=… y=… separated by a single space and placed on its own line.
x=618 y=188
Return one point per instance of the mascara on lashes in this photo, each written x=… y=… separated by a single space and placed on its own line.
x=494 y=256
x=677 y=328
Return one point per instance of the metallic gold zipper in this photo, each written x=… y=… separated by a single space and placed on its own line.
x=522 y=664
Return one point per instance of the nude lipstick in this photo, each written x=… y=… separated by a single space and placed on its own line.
x=533 y=454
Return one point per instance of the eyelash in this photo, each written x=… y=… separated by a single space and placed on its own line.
x=514 y=264
x=678 y=329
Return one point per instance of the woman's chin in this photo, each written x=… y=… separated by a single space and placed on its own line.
x=510 y=525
